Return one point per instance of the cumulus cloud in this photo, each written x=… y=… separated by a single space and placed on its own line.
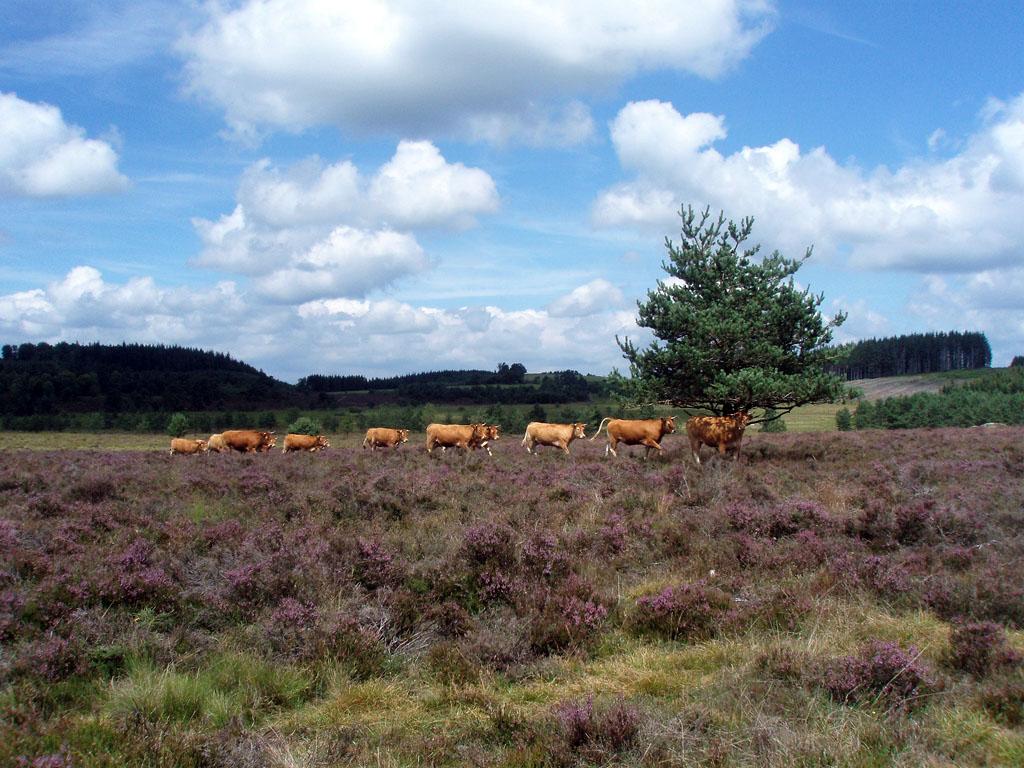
x=950 y=215
x=42 y=156
x=493 y=69
x=593 y=297
x=322 y=335
x=316 y=230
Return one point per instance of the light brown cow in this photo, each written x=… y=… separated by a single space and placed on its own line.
x=385 y=437
x=491 y=432
x=461 y=436
x=216 y=444
x=722 y=432
x=557 y=435
x=311 y=443
x=184 y=445
x=646 y=432
x=249 y=440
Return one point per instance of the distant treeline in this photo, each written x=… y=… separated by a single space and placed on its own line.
x=998 y=397
x=506 y=374
x=45 y=379
x=912 y=354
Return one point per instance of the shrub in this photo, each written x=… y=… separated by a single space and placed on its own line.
x=177 y=425
x=613 y=728
x=685 y=611
x=980 y=647
x=880 y=672
x=1003 y=699
x=844 y=420
x=305 y=425
x=775 y=424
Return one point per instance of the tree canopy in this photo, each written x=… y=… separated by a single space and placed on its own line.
x=733 y=333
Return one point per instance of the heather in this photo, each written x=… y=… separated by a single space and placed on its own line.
x=843 y=598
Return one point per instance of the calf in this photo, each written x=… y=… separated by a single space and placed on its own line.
x=384 y=437
x=183 y=445
x=557 y=435
x=311 y=443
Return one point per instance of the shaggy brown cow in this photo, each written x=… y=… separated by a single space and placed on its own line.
x=646 y=432
x=311 y=443
x=383 y=437
x=216 y=444
x=721 y=432
x=184 y=445
x=462 y=436
x=558 y=435
x=249 y=440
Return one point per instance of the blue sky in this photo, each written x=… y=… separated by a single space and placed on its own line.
x=383 y=187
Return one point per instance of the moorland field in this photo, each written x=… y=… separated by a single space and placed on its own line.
x=834 y=598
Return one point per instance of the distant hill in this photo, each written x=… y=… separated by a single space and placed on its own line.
x=74 y=378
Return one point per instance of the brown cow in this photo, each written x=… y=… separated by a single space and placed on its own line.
x=216 y=444
x=462 y=436
x=385 y=437
x=184 y=445
x=311 y=443
x=249 y=440
x=491 y=432
x=718 y=431
x=558 y=435
x=646 y=432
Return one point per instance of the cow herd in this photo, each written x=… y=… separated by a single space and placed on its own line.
x=725 y=433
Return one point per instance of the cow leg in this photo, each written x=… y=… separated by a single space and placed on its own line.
x=565 y=448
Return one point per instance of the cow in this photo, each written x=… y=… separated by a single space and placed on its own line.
x=646 y=432
x=491 y=432
x=183 y=445
x=249 y=440
x=722 y=432
x=311 y=443
x=558 y=435
x=462 y=436
x=216 y=444
x=384 y=437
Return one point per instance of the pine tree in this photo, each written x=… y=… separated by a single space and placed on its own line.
x=733 y=334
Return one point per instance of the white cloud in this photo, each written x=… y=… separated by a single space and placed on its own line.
x=315 y=230
x=596 y=296
x=492 y=69
x=957 y=214
x=42 y=156
x=323 y=335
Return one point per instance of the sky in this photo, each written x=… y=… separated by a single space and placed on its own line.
x=390 y=186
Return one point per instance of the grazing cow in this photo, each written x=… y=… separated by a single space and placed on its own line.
x=216 y=444
x=384 y=437
x=311 y=443
x=721 y=432
x=183 y=445
x=491 y=432
x=558 y=435
x=249 y=440
x=646 y=432
x=462 y=436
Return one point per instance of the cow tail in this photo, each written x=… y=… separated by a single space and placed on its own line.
x=601 y=426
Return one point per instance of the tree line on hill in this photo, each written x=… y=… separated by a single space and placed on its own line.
x=998 y=397
x=136 y=387
x=913 y=353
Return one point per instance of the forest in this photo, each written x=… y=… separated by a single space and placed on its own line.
x=913 y=354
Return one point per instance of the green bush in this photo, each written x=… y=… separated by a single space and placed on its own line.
x=844 y=421
x=304 y=425
x=177 y=425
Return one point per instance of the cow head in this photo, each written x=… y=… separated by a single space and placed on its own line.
x=403 y=435
x=741 y=419
x=322 y=442
x=493 y=432
x=578 y=430
x=267 y=441
x=668 y=425
x=203 y=445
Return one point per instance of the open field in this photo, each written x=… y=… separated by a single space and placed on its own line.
x=823 y=601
